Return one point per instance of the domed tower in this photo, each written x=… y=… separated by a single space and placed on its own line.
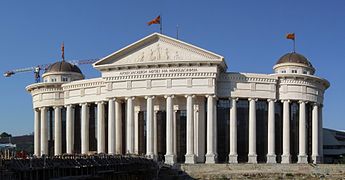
x=48 y=98
x=62 y=71
x=294 y=63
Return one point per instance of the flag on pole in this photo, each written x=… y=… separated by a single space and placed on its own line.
x=156 y=20
x=63 y=51
x=290 y=36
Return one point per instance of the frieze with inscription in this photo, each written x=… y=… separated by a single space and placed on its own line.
x=158 y=71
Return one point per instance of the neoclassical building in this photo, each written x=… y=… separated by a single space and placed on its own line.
x=173 y=101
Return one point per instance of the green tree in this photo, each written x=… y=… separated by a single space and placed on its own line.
x=5 y=134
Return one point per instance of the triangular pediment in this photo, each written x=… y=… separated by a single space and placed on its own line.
x=156 y=49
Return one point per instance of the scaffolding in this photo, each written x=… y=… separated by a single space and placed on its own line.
x=79 y=167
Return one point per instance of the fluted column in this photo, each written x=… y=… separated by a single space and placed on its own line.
x=149 y=127
x=136 y=129
x=286 y=157
x=175 y=130
x=100 y=128
x=302 y=155
x=84 y=128
x=271 y=155
x=190 y=156
x=315 y=134
x=211 y=135
x=69 y=129
x=118 y=127
x=170 y=157
x=155 y=131
x=320 y=133
x=233 y=131
x=252 y=156
x=44 y=131
x=130 y=126
x=57 y=131
x=111 y=126
x=37 y=133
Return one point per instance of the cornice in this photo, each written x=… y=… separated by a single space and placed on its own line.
x=248 y=77
x=83 y=85
x=161 y=76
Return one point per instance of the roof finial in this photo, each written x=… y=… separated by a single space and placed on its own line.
x=63 y=51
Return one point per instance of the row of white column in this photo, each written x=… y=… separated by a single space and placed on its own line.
x=41 y=129
x=271 y=156
x=115 y=130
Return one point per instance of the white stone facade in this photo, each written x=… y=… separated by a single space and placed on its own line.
x=162 y=74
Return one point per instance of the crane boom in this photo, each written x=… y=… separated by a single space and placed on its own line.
x=38 y=68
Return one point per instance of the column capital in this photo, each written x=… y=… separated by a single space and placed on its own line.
x=269 y=100
x=171 y=95
x=99 y=102
x=69 y=105
x=111 y=98
x=302 y=101
x=156 y=108
x=85 y=103
x=130 y=97
x=147 y=97
x=42 y=108
x=316 y=104
x=234 y=98
x=192 y=95
x=254 y=99
x=57 y=107
x=118 y=99
x=285 y=100
x=212 y=95
x=196 y=108
x=176 y=108
x=137 y=109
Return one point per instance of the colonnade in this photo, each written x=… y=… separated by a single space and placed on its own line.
x=271 y=155
x=115 y=130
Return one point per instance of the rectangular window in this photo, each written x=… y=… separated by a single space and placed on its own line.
x=294 y=71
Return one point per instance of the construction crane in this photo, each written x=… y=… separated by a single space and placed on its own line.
x=37 y=69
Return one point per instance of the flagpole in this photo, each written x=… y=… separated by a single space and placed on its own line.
x=294 y=45
x=161 y=25
x=177 y=31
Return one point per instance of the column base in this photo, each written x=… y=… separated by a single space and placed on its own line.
x=271 y=159
x=233 y=159
x=190 y=159
x=302 y=159
x=170 y=159
x=316 y=159
x=252 y=159
x=210 y=159
x=286 y=159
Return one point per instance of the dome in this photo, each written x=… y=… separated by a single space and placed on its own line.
x=63 y=66
x=294 y=58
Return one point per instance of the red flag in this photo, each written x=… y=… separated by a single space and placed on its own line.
x=290 y=36
x=157 y=20
x=63 y=51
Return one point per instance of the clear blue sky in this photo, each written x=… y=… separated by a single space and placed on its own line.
x=250 y=34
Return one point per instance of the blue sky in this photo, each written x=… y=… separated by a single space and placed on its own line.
x=250 y=34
